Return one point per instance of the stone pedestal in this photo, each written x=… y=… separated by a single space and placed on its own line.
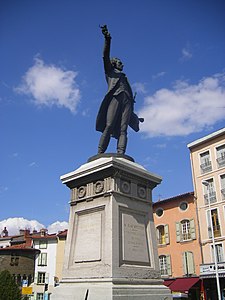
x=111 y=249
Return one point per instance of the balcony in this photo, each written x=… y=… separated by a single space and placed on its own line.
x=211 y=197
x=206 y=167
x=221 y=161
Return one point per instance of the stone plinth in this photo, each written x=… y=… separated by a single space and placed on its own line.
x=111 y=249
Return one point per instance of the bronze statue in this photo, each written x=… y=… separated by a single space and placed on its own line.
x=116 y=110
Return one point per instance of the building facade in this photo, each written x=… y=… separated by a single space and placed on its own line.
x=178 y=244
x=208 y=171
x=45 y=265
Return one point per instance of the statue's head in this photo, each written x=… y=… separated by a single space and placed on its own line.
x=117 y=63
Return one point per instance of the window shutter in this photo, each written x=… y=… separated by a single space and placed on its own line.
x=39 y=259
x=184 y=260
x=191 y=265
x=209 y=223
x=168 y=264
x=167 y=236
x=192 y=229
x=35 y=278
x=46 y=278
x=188 y=263
x=178 y=231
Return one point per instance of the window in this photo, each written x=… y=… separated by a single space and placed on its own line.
x=219 y=253
x=159 y=212
x=209 y=192
x=41 y=278
x=205 y=162
x=42 y=259
x=222 y=182
x=220 y=152
x=215 y=223
x=14 y=260
x=165 y=265
x=183 y=205
x=40 y=296
x=43 y=244
x=162 y=232
x=185 y=230
x=188 y=263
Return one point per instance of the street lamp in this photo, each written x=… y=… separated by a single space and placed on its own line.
x=206 y=183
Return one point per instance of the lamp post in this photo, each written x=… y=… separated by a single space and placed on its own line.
x=206 y=183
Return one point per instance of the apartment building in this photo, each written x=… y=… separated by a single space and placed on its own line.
x=45 y=265
x=178 y=245
x=208 y=171
x=18 y=257
x=49 y=263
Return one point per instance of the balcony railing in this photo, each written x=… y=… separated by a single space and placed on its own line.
x=211 y=197
x=206 y=167
x=221 y=161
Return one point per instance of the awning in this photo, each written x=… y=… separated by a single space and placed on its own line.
x=183 y=284
x=168 y=282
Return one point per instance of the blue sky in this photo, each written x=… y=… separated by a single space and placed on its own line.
x=52 y=83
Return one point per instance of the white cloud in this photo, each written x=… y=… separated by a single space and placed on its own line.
x=158 y=75
x=139 y=87
x=57 y=226
x=186 y=53
x=185 y=109
x=50 y=85
x=32 y=164
x=13 y=225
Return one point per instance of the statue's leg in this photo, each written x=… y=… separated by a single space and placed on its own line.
x=111 y=118
x=122 y=140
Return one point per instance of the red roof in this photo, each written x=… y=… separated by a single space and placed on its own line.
x=44 y=237
x=19 y=247
x=183 y=284
x=62 y=233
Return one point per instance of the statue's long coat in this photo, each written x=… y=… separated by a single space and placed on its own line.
x=113 y=77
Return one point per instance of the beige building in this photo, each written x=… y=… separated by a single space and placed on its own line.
x=208 y=170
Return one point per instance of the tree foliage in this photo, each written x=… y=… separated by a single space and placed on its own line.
x=9 y=290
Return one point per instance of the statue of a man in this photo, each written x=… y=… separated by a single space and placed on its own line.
x=116 y=110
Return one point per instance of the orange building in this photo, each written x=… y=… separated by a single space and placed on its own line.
x=179 y=249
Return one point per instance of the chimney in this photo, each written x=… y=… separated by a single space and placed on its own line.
x=5 y=232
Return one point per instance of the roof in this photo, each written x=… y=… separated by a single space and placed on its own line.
x=45 y=237
x=206 y=138
x=62 y=233
x=23 y=247
x=185 y=195
x=183 y=284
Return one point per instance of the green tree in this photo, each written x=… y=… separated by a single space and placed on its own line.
x=9 y=290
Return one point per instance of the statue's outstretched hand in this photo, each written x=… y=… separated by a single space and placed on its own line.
x=105 y=31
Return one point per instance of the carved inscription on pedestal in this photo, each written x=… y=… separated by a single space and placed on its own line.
x=135 y=249
x=88 y=238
